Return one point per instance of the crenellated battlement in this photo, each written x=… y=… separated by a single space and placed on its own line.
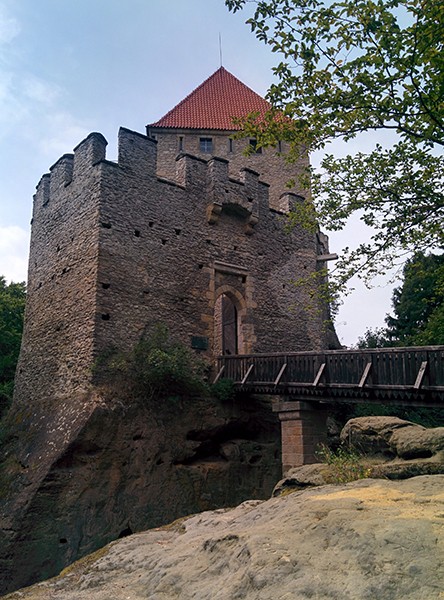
x=137 y=152
x=137 y=157
x=115 y=246
x=89 y=152
x=70 y=167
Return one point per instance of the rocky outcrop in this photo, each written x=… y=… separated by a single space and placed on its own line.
x=130 y=467
x=365 y=540
x=388 y=447
x=393 y=437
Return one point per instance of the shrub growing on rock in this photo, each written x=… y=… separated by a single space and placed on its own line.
x=157 y=367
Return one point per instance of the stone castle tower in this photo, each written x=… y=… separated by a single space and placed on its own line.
x=184 y=229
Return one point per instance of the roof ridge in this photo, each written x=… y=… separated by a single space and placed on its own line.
x=207 y=106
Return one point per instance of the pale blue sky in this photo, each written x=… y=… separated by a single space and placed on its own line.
x=71 y=67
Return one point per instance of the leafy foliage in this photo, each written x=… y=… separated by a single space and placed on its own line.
x=12 y=306
x=419 y=304
x=223 y=390
x=425 y=416
x=157 y=367
x=347 y=68
x=418 y=307
x=374 y=338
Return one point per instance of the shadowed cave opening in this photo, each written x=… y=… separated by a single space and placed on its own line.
x=211 y=440
x=125 y=532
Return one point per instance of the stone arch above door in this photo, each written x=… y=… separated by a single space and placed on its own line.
x=236 y=284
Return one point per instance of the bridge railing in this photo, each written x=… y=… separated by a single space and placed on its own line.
x=412 y=368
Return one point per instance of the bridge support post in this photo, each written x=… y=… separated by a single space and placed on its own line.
x=303 y=429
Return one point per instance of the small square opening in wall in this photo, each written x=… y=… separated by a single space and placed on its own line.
x=256 y=149
x=137 y=233
x=206 y=145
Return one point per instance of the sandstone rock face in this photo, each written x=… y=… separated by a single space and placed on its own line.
x=130 y=467
x=391 y=436
x=366 y=540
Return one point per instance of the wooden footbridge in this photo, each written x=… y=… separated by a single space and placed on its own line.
x=384 y=375
x=305 y=384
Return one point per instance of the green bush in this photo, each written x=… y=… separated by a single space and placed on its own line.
x=157 y=367
x=12 y=307
x=223 y=390
x=346 y=465
x=6 y=391
x=425 y=416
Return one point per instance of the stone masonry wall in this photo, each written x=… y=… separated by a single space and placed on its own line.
x=114 y=250
x=57 y=348
x=168 y=249
x=270 y=163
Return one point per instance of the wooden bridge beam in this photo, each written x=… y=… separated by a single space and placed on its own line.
x=303 y=430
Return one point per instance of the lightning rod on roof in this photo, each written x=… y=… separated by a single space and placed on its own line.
x=220 y=48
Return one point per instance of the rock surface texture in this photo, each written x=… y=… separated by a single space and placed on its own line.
x=130 y=468
x=371 y=539
x=392 y=437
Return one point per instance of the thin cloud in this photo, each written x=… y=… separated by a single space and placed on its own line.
x=9 y=26
x=14 y=247
x=63 y=133
x=40 y=91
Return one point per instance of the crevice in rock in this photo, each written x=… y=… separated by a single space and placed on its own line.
x=417 y=453
x=81 y=451
x=125 y=532
x=211 y=442
x=223 y=433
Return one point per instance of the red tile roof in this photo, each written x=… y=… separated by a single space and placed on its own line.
x=213 y=104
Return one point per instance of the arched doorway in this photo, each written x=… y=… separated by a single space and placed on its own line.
x=226 y=321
